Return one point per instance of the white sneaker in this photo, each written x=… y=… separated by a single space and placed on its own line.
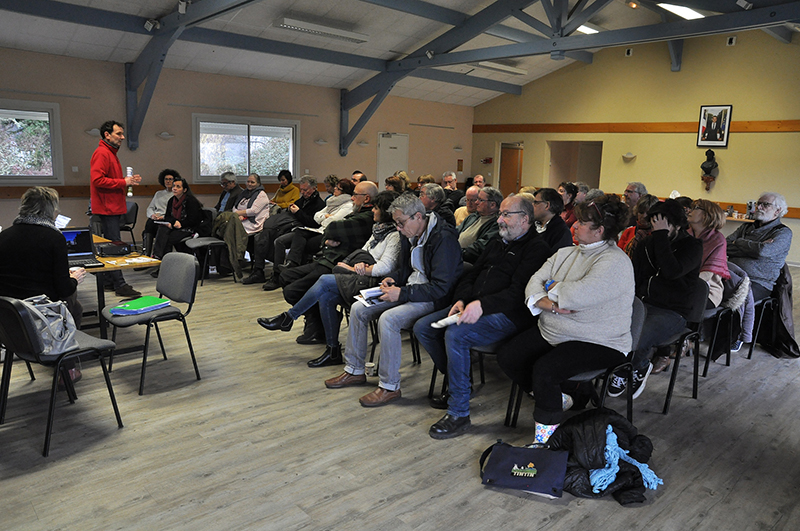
x=640 y=380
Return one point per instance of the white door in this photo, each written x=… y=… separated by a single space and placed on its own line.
x=392 y=155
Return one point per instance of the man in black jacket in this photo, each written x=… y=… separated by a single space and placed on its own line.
x=429 y=265
x=490 y=302
x=300 y=214
x=547 y=207
x=230 y=192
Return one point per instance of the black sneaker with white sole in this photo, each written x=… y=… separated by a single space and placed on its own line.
x=617 y=385
x=640 y=379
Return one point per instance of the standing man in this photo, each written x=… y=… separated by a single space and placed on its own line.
x=107 y=188
x=230 y=192
x=490 y=302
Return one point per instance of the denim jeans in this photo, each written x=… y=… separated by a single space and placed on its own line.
x=392 y=317
x=326 y=294
x=449 y=350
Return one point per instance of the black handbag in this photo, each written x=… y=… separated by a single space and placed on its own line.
x=536 y=470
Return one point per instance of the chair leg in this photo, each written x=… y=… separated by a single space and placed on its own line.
x=514 y=405
x=712 y=344
x=191 y=350
x=757 y=328
x=205 y=265
x=480 y=366
x=110 y=390
x=68 y=386
x=672 y=378
x=5 y=383
x=30 y=371
x=696 y=365
x=52 y=410
x=160 y=341
x=144 y=360
x=433 y=382
x=111 y=355
x=415 y=357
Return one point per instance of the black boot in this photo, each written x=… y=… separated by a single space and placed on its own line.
x=256 y=277
x=280 y=322
x=313 y=331
x=331 y=356
x=272 y=283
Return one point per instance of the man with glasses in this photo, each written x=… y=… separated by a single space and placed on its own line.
x=480 y=227
x=429 y=265
x=547 y=207
x=489 y=301
x=450 y=185
x=761 y=247
x=298 y=214
x=470 y=205
x=230 y=192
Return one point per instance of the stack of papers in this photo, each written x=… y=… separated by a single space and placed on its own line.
x=140 y=305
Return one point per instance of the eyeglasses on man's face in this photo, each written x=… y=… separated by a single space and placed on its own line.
x=507 y=213
x=764 y=204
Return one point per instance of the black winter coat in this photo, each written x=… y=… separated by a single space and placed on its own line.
x=584 y=437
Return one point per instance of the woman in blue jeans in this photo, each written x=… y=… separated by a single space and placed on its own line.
x=383 y=246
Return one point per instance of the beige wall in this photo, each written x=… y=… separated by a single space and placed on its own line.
x=90 y=92
x=759 y=76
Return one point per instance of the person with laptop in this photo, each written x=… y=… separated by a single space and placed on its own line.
x=108 y=188
x=33 y=256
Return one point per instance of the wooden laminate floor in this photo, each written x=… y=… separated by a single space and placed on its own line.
x=259 y=443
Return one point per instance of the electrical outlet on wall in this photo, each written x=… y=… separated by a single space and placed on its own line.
x=732 y=41
x=628 y=52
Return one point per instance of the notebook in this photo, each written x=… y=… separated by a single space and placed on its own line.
x=140 y=305
x=80 y=248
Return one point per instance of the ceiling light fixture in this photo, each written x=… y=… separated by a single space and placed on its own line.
x=152 y=24
x=165 y=135
x=632 y=5
x=182 y=6
x=502 y=68
x=320 y=142
x=587 y=30
x=683 y=12
x=320 y=30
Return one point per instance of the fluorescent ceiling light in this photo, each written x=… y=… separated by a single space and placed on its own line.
x=320 y=30
x=587 y=30
x=503 y=69
x=683 y=12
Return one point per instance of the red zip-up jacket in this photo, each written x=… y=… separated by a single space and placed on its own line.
x=107 y=182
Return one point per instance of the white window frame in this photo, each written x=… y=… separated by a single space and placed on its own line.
x=56 y=152
x=242 y=120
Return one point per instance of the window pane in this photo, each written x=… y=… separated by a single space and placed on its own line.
x=223 y=147
x=270 y=149
x=25 y=145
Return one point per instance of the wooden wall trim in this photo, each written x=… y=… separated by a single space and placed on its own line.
x=145 y=190
x=760 y=126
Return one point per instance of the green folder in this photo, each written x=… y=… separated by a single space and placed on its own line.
x=140 y=305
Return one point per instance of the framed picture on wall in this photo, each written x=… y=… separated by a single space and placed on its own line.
x=714 y=126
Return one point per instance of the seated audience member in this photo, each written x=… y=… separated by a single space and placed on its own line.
x=230 y=192
x=583 y=296
x=475 y=231
x=35 y=257
x=479 y=181
x=583 y=189
x=183 y=218
x=633 y=192
x=423 y=179
x=489 y=299
x=376 y=259
x=429 y=265
x=706 y=218
x=686 y=203
x=394 y=183
x=666 y=265
x=358 y=177
x=761 y=247
x=631 y=236
x=432 y=196
x=470 y=206
x=530 y=190
x=568 y=191
x=330 y=185
x=340 y=239
x=273 y=240
x=403 y=176
x=245 y=219
x=547 y=207
x=453 y=195
x=287 y=193
x=308 y=240
x=156 y=209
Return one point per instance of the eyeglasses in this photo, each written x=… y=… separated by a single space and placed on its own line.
x=535 y=202
x=506 y=213
x=358 y=194
x=221 y=183
x=402 y=223
x=763 y=204
x=475 y=200
x=596 y=208
x=479 y=200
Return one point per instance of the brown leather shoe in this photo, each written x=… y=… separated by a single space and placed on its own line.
x=346 y=380
x=379 y=397
x=660 y=363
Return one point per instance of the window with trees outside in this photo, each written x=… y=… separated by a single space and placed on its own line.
x=243 y=146
x=30 y=143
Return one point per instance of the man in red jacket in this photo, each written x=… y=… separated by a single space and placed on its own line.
x=108 y=186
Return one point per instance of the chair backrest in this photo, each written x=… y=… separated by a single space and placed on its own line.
x=177 y=278
x=17 y=332
x=637 y=322
x=130 y=216
x=699 y=297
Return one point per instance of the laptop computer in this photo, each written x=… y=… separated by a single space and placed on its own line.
x=80 y=248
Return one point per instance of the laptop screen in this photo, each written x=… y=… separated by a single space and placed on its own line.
x=79 y=243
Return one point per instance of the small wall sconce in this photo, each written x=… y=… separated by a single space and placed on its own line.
x=363 y=143
x=458 y=148
x=320 y=142
x=93 y=132
x=164 y=135
x=628 y=157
